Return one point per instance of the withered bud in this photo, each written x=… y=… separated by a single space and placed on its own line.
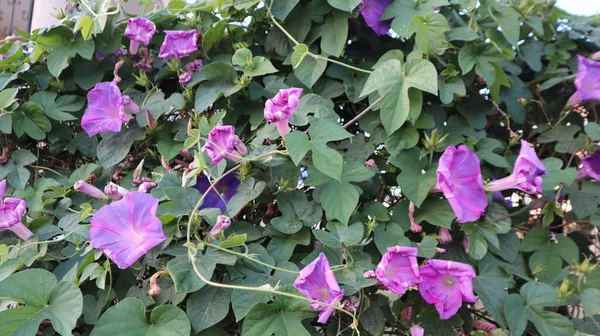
x=152 y=123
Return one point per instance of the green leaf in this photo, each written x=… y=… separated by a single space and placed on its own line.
x=310 y=70
x=592 y=129
x=403 y=11
x=213 y=35
x=334 y=34
x=436 y=212
x=429 y=31
x=58 y=109
x=42 y=298
x=414 y=183
x=590 y=299
x=490 y=285
x=508 y=19
x=7 y=97
x=208 y=93
x=184 y=198
x=300 y=51
x=548 y=254
x=85 y=23
x=298 y=145
x=339 y=200
x=208 y=306
x=247 y=191
x=128 y=318
x=64 y=48
x=158 y=105
x=339 y=233
x=281 y=318
x=31 y=120
x=260 y=66
x=389 y=234
x=23 y=157
x=296 y=212
x=281 y=8
x=345 y=5
x=114 y=147
x=182 y=271
x=481 y=57
x=461 y=34
x=242 y=57
x=556 y=175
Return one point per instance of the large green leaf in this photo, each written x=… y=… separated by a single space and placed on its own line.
x=490 y=285
x=429 y=31
x=403 y=11
x=114 y=147
x=334 y=34
x=58 y=109
x=65 y=45
x=42 y=298
x=282 y=318
x=208 y=306
x=296 y=212
x=339 y=200
x=184 y=276
x=128 y=318
x=31 y=120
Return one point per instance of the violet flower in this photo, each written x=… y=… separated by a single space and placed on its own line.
x=223 y=222
x=587 y=81
x=178 y=44
x=105 y=111
x=459 y=178
x=185 y=78
x=11 y=212
x=527 y=175
x=88 y=189
x=591 y=166
x=417 y=331
x=115 y=191
x=398 y=269
x=139 y=31
x=447 y=284
x=317 y=282
x=226 y=188
x=125 y=230
x=445 y=236
x=193 y=66
x=279 y=109
x=222 y=142
x=371 y=11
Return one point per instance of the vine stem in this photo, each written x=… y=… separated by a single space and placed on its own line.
x=266 y=290
x=361 y=114
x=243 y=255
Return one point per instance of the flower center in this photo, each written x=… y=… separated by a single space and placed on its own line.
x=449 y=281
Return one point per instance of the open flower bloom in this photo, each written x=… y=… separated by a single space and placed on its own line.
x=526 y=176
x=223 y=222
x=279 y=109
x=125 y=230
x=222 y=142
x=139 y=31
x=445 y=236
x=417 y=331
x=447 y=284
x=88 y=189
x=587 y=81
x=105 y=111
x=459 y=178
x=398 y=269
x=11 y=212
x=317 y=282
x=226 y=188
x=591 y=166
x=178 y=44
x=371 y=11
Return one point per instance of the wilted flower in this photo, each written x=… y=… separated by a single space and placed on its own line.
x=222 y=142
x=406 y=314
x=591 y=166
x=414 y=226
x=154 y=287
x=223 y=191
x=125 y=230
x=526 y=176
x=152 y=122
x=370 y=163
x=88 y=189
x=115 y=191
x=459 y=178
x=147 y=186
x=317 y=282
x=484 y=325
x=139 y=31
x=445 y=236
x=352 y=303
x=447 y=284
x=194 y=65
x=398 y=269
x=587 y=81
x=178 y=44
x=11 y=212
x=371 y=11
x=105 y=111
x=223 y=222
x=416 y=331
x=279 y=109
x=185 y=78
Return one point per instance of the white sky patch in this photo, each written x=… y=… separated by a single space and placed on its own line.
x=580 y=7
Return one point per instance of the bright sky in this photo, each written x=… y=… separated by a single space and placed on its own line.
x=580 y=7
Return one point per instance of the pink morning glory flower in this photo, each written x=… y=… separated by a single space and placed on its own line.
x=417 y=331
x=459 y=178
x=178 y=44
x=106 y=109
x=587 y=81
x=317 y=282
x=527 y=175
x=139 y=31
x=125 y=230
x=279 y=109
x=222 y=142
x=11 y=212
x=445 y=236
x=591 y=166
x=371 y=11
x=88 y=189
x=223 y=222
x=398 y=269
x=447 y=284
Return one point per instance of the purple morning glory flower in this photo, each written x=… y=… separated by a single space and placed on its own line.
x=139 y=31
x=398 y=269
x=527 y=175
x=11 y=212
x=447 y=284
x=279 y=109
x=591 y=166
x=105 y=111
x=222 y=142
x=445 y=236
x=125 y=230
x=317 y=282
x=587 y=81
x=226 y=188
x=371 y=11
x=178 y=44
x=459 y=178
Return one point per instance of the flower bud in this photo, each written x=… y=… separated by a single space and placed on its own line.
x=370 y=163
x=114 y=191
x=142 y=79
x=223 y=222
x=130 y=105
x=165 y=163
x=370 y=274
x=147 y=186
x=88 y=189
x=137 y=174
x=484 y=325
x=406 y=314
x=445 y=236
x=152 y=123
x=414 y=226
x=586 y=266
x=4 y=156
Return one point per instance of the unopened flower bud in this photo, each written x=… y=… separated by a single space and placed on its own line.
x=88 y=189
x=406 y=314
x=137 y=174
x=186 y=155
x=223 y=222
x=114 y=191
x=586 y=266
x=484 y=325
x=165 y=163
x=370 y=163
x=130 y=105
x=152 y=123
x=414 y=226
x=370 y=274
x=4 y=156
x=445 y=236
x=118 y=66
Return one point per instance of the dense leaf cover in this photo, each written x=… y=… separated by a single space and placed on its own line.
x=301 y=167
